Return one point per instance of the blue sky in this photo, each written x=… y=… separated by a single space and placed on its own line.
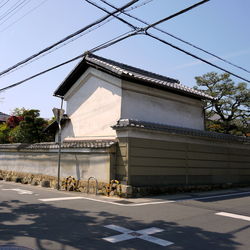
x=219 y=26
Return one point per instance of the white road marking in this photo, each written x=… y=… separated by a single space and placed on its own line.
x=119 y=229
x=128 y=234
x=18 y=190
x=146 y=203
x=63 y=198
x=235 y=216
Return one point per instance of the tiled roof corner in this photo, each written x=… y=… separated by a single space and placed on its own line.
x=155 y=80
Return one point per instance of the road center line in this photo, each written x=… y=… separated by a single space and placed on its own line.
x=235 y=216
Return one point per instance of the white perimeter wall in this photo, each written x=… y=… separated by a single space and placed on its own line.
x=80 y=166
x=152 y=105
x=93 y=106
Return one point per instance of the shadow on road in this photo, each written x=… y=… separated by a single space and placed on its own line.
x=47 y=226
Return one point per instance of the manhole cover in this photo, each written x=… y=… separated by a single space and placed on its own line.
x=12 y=247
x=124 y=202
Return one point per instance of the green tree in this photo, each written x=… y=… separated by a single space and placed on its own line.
x=18 y=111
x=229 y=111
x=4 y=133
x=30 y=130
x=24 y=126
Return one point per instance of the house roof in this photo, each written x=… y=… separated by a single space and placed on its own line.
x=128 y=73
x=3 y=117
x=130 y=123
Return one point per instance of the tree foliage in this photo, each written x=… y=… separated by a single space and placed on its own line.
x=24 y=126
x=229 y=111
x=4 y=133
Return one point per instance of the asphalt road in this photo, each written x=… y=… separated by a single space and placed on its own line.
x=40 y=218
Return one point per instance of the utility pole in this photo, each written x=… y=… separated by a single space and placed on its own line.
x=58 y=113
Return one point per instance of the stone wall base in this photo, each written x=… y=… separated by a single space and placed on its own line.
x=68 y=184
x=113 y=189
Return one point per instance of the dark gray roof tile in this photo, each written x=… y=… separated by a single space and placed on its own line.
x=98 y=144
x=129 y=73
x=126 y=123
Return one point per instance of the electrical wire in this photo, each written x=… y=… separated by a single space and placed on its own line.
x=15 y=12
x=119 y=39
x=179 y=39
x=11 y=9
x=99 y=47
x=104 y=45
x=114 y=41
x=176 y=14
x=137 y=6
x=196 y=57
x=74 y=38
x=33 y=9
x=4 y=3
x=41 y=73
x=117 y=17
x=59 y=46
x=68 y=37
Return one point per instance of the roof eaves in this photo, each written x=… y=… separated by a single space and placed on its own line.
x=128 y=73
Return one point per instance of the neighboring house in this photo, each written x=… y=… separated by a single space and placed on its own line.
x=3 y=117
x=99 y=92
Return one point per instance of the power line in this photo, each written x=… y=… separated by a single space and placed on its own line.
x=41 y=73
x=68 y=37
x=17 y=10
x=77 y=36
x=117 y=17
x=59 y=46
x=176 y=14
x=4 y=3
x=102 y=46
x=178 y=38
x=114 y=41
x=196 y=57
x=119 y=39
x=137 y=6
x=11 y=9
x=33 y=9
x=182 y=50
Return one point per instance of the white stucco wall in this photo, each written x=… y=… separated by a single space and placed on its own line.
x=152 y=105
x=98 y=100
x=93 y=106
x=80 y=166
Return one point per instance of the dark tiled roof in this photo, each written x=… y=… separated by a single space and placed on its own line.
x=129 y=73
x=125 y=123
x=98 y=144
